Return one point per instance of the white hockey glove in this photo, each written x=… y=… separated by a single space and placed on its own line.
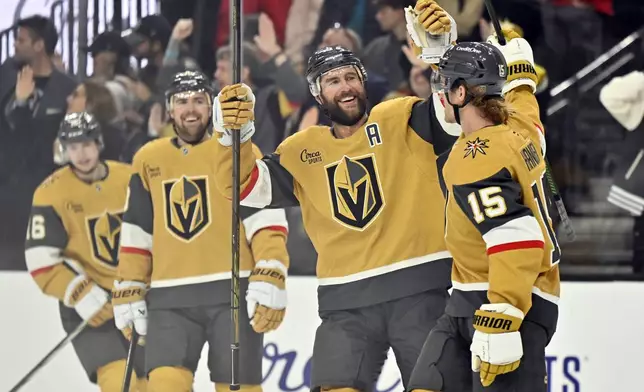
x=518 y=55
x=128 y=299
x=233 y=110
x=266 y=295
x=496 y=346
x=89 y=300
x=431 y=29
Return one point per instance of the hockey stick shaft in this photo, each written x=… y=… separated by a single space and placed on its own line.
x=236 y=55
x=129 y=363
x=556 y=196
x=50 y=355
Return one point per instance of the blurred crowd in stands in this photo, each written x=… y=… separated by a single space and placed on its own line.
x=36 y=90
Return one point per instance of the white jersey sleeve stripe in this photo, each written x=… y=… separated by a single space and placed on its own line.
x=40 y=257
x=264 y=219
x=259 y=193
x=132 y=236
x=524 y=229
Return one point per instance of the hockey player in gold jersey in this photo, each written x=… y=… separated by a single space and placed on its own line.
x=72 y=248
x=176 y=241
x=372 y=206
x=505 y=273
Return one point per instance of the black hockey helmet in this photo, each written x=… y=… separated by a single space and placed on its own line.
x=327 y=59
x=189 y=81
x=474 y=63
x=80 y=127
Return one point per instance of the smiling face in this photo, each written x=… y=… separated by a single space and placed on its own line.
x=190 y=112
x=343 y=96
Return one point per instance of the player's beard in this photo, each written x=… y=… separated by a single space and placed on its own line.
x=187 y=136
x=337 y=115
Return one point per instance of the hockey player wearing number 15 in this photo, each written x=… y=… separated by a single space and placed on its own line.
x=72 y=248
x=505 y=274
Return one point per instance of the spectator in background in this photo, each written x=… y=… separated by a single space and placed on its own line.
x=301 y=24
x=276 y=100
x=277 y=11
x=573 y=34
x=93 y=97
x=383 y=55
x=357 y=15
x=623 y=97
x=32 y=105
x=466 y=14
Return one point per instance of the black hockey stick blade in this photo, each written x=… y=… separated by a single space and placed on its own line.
x=566 y=223
x=129 y=363
x=50 y=355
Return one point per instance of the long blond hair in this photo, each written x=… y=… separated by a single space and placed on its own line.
x=493 y=108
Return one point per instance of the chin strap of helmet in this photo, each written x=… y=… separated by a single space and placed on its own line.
x=468 y=99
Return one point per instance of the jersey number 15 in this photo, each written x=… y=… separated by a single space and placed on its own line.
x=494 y=206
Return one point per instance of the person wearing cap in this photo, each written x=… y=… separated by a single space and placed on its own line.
x=111 y=56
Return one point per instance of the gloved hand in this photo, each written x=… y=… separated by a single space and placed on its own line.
x=496 y=346
x=520 y=59
x=431 y=29
x=128 y=299
x=233 y=109
x=89 y=300
x=266 y=295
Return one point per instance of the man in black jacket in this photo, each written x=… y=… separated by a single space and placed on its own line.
x=33 y=102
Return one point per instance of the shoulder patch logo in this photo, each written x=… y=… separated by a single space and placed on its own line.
x=476 y=146
x=105 y=237
x=355 y=191
x=187 y=209
x=311 y=156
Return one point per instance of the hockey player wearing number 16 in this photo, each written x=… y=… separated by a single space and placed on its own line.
x=505 y=273
x=72 y=248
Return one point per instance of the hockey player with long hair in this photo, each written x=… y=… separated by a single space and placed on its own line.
x=174 y=278
x=503 y=309
x=72 y=248
x=371 y=204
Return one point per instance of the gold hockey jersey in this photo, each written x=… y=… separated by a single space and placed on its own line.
x=177 y=231
x=74 y=229
x=371 y=203
x=498 y=226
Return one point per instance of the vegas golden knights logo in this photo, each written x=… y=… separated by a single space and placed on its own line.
x=187 y=212
x=356 y=196
x=105 y=236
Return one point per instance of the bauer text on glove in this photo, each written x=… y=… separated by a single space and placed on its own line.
x=266 y=295
x=128 y=300
x=496 y=345
x=89 y=300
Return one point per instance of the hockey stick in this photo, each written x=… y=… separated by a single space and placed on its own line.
x=236 y=54
x=129 y=363
x=556 y=196
x=62 y=344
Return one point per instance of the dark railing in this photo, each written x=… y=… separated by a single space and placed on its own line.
x=79 y=21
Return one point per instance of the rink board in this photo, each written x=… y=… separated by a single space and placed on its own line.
x=595 y=349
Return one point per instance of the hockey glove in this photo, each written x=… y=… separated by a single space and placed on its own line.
x=496 y=346
x=432 y=30
x=266 y=295
x=128 y=299
x=233 y=109
x=518 y=55
x=89 y=300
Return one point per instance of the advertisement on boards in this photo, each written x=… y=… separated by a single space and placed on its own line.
x=596 y=347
